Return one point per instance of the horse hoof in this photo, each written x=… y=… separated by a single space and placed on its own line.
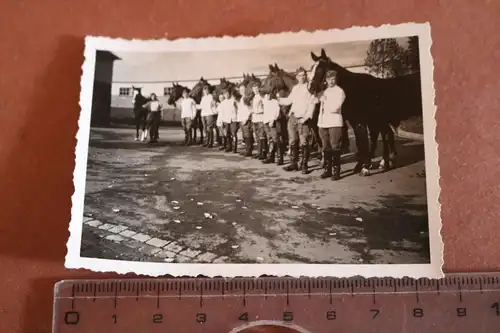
x=364 y=172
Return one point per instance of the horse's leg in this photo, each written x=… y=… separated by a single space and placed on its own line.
x=200 y=127
x=387 y=150
x=392 y=147
x=363 y=155
x=374 y=135
x=137 y=121
x=345 y=139
x=319 y=142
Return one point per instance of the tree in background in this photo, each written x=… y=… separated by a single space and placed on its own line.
x=412 y=54
x=387 y=58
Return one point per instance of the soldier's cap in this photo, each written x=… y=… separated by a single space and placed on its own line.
x=331 y=73
x=300 y=70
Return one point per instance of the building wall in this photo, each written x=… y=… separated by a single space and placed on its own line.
x=102 y=100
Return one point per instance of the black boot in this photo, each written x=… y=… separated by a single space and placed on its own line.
x=305 y=159
x=248 y=147
x=262 y=149
x=271 y=157
x=293 y=166
x=336 y=164
x=218 y=138
x=235 y=143
x=229 y=144
x=257 y=155
x=190 y=138
x=280 y=149
x=327 y=159
x=265 y=150
x=186 y=138
x=224 y=143
x=210 y=139
x=207 y=139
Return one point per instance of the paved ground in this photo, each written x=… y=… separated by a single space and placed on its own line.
x=167 y=202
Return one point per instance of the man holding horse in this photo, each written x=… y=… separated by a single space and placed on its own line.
x=188 y=114
x=245 y=123
x=299 y=121
x=270 y=120
x=258 y=124
x=154 y=117
x=208 y=114
x=228 y=113
x=330 y=123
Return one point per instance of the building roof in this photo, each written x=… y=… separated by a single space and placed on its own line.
x=106 y=56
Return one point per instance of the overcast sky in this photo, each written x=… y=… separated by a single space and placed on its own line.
x=179 y=66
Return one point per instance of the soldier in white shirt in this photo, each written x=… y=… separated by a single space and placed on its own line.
x=258 y=126
x=228 y=113
x=208 y=116
x=154 y=117
x=220 y=124
x=244 y=119
x=270 y=120
x=188 y=113
x=300 y=116
x=330 y=123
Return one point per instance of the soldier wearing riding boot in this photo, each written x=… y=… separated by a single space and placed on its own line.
x=271 y=115
x=188 y=113
x=219 y=124
x=243 y=118
x=330 y=125
x=208 y=114
x=154 y=117
x=299 y=121
x=258 y=125
x=228 y=113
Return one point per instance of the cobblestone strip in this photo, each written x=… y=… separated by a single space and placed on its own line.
x=165 y=250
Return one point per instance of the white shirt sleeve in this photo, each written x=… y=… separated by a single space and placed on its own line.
x=288 y=100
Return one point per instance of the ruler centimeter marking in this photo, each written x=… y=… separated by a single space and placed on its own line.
x=455 y=304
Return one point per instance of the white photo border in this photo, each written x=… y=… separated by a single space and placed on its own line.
x=73 y=258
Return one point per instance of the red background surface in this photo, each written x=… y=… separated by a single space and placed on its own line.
x=40 y=66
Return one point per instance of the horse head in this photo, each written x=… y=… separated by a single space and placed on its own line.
x=322 y=64
x=197 y=91
x=226 y=85
x=279 y=80
x=176 y=93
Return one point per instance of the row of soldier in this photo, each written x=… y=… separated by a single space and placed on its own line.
x=261 y=123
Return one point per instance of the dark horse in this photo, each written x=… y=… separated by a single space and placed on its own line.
x=226 y=85
x=140 y=113
x=249 y=81
x=371 y=103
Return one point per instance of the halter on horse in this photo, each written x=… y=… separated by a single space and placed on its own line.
x=373 y=103
x=140 y=113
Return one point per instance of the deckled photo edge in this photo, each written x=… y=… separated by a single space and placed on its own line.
x=81 y=154
x=431 y=149
x=94 y=43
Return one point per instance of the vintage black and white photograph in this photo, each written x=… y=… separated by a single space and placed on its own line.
x=302 y=154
